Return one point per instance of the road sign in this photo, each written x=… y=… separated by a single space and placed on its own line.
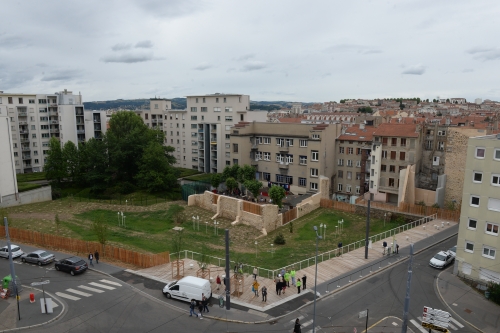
x=434 y=327
x=39 y=283
x=363 y=314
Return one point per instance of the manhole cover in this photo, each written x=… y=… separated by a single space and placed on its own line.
x=468 y=311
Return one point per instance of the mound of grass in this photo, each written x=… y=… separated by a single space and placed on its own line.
x=29 y=177
x=23 y=187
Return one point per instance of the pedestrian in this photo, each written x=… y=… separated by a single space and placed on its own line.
x=287 y=279
x=304 y=280
x=218 y=282
x=282 y=272
x=204 y=302
x=191 y=308
x=264 y=294
x=397 y=248
x=255 y=287
x=200 y=308
x=298 y=286
x=296 y=328
x=91 y=256
x=292 y=275
x=96 y=256
x=277 y=281
x=283 y=287
x=255 y=273
x=384 y=244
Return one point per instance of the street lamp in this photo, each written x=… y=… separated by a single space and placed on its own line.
x=118 y=218
x=198 y=222
x=272 y=250
x=336 y=230
x=193 y=221
x=318 y=237
x=206 y=227
x=124 y=221
x=216 y=231
x=126 y=204
x=255 y=249
x=324 y=231
x=385 y=214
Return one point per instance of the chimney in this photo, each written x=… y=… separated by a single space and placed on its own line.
x=361 y=126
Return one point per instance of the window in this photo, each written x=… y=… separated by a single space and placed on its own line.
x=477 y=177
x=393 y=155
x=384 y=141
x=228 y=136
x=349 y=163
x=441 y=133
x=348 y=188
x=384 y=153
x=36 y=161
x=224 y=99
x=496 y=154
x=391 y=182
x=229 y=109
x=31 y=101
x=289 y=142
x=480 y=152
x=489 y=252
x=350 y=151
x=469 y=247
x=403 y=142
x=267 y=156
x=383 y=168
x=314 y=155
x=402 y=155
x=491 y=229
x=216 y=109
x=267 y=140
x=314 y=186
x=20 y=100
x=314 y=172
x=15 y=154
x=228 y=118
x=194 y=126
x=280 y=142
x=235 y=161
x=258 y=140
x=371 y=184
x=373 y=172
x=358 y=175
x=394 y=142
x=279 y=158
x=289 y=158
x=196 y=99
x=340 y=161
x=315 y=137
x=340 y=174
x=494 y=204
x=216 y=99
x=228 y=163
x=495 y=180
x=358 y=190
x=228 y=127
x=266 y=175
x=228 y=145
x=235 y=147
x=349 y=175
x=339 y=187
x=474 y=200
x=472 y=224
x=44 y=118
x=302 y=182
x=303 y=160
x=341 y=150
x=258 y=156
x=193 y=109
x=280 y=178
x=303 y=143
x=204 y=100
x=358 y=164
x=392 y=168
x=194 y=117
x=203 y=109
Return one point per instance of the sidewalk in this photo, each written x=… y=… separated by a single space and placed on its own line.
x=467 y=304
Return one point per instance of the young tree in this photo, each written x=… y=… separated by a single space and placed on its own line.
x=254 y=187
x=70 y=156
x=100 y=229
x=215 y=180
x=176 y=214
x=231 y=184
x=57 y=222
x=55 y=167
x=245 y=173
x=177 y=244
x=277 y=193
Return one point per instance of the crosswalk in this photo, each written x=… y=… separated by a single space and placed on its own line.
x=453 y=325
x=86 y=291
x=304 y=324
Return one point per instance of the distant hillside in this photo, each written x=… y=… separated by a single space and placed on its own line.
x=130 y=104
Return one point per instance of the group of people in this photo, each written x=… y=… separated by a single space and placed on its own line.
x=202 y=306
x=92 y=257
x=285 y=277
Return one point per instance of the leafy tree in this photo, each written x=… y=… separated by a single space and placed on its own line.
x=245 y=173
x=55 y=167
x=439 y=114
x=231 y=184
x=365 y=109
x=95 y=164
x=447 y=100
x=215 y=180
x=494 y=289
x=100 y=229
x=155 y=173
x=231 y=171
x=487 y=119
x=254 y=187
x=279 y=239
x=70 y=156
x=277 y=193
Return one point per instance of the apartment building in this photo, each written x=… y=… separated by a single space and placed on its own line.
x=291 y=156
x=200 y=134
x=35 y=118
x=8 y=182
x=352 y=164
x=478 y=235
x=395 y=146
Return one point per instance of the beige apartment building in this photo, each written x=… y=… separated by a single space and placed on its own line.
x=291 y=156
x=478 y=235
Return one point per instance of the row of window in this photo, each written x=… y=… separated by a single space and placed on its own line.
x=20 y=100
x=477 y=177
x=216 y=109
x=226 y=118
x=302 y=182
x=488 y=251
x=340 y=174
x=216 y=100
x=282 y=142
x=266 y=156
x=348 y=188
x=489 y=228
x=493 y=204
x=481 y=153
x=350 y=150
x=392 y=168
x=393 y=155
x=349 y=163
x=394 y=141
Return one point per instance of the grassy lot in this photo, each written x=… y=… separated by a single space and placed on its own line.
x=187 y=172
x=29 y=177
x=22 y=187
x=204 y=177
x=138 y=198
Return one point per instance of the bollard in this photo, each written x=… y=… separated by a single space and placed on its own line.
x=442 y=224
x=32 y=298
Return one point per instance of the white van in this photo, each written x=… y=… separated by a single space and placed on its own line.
x=188 y=288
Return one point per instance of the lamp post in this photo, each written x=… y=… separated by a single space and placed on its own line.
x=336 y=230
x=126 y=204
x=124 y=221
x=255 y=249
x=318 y=237
x=272 y=250
x=193 y=221
x=385 y=214
x=216 y=231
x=206 y=227
x=324 y=231
x=198 y=222
x=118 y=218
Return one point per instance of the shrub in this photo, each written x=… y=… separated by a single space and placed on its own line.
x=290 y=226
x=279 y=239
x=435 y=206
x=421 y=203
x=494 y=289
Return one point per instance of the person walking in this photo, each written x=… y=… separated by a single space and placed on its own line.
x=264 y=294
x=277 y=281
x=255 y=287
x=218 y=282
x=304 y=280
x=397 y=248
x=192 y=307
x=296 y=328
x=96 y=256
x=287 y=279
x=255 y=273
x=200 y=308
x=91 y=257
x=282 y=272
x=298 y=286
x=384 y=244
x=292 y=275
x=204 y=302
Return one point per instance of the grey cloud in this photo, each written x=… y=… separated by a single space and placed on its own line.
x=13 y=42
x=245 y=57
x=120 y=47
x=414 y=70
x=475 y=50
x=202 y=67
x=468 y=70
x=370 y=51
x=362 y=49
x=253 y=66
x=485 y=54
x=145 y=44
x=128 y=58
x=15 y=79
x=171 y=8
x=62 y=75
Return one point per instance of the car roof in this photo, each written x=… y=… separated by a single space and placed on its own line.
x=39 y=251
x=11 y=245
x=73 y=259
x=444 y=253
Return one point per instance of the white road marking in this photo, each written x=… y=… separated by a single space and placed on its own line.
x=111 y=282
x=292 y=322
x=63 y=295
x=394 y=323
x=81 y=293
x=307 y=323
x=456 y=322
x=452 y=327
x=421 y=329
x=317 y=329
x=91 y=289
x=95 y=284
x=455 y=304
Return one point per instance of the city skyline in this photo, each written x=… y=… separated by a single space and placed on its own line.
x=294 y=51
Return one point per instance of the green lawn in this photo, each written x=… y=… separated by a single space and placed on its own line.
x=187 y=172
x=29 y=177
x=204 y=177
x=138 y=198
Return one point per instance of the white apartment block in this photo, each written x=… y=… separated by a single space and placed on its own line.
x=200 y=134
x=35 y=118
x=8 y=183
x=478 y=235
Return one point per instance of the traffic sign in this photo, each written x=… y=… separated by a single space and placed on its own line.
x=434 y=327
x=40 y=283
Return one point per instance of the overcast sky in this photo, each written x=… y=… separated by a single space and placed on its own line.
x=309 y=51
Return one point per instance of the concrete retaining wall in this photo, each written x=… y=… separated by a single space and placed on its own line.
x=38 y=195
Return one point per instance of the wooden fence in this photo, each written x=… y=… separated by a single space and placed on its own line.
x=252 y=208
x=289 y=216
x=83 y=248
x=343 y=206
x=215 y=199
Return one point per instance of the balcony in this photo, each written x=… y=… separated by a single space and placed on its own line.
x=26 y=157
x=283 y=165
x=80 y=131
x=254 y=163
x=24 y=131
x=213 y=141
x=25 y=149
x=213 y=166
x=53 y=113
x=201 y=165
x=97 y=120
x=54 y=130
x=200 y=138
x=23 y=140
x=213 y=130
x=55 y=122
x=23 y=123
x=154 y=121
x=284 y=148
x=22 y=114
x=194 y=144
x=254 y=146
x=213 y=148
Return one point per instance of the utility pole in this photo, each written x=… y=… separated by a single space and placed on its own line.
x=407 y=298
x=228 y=285
x=367 y=228
x=11 y=264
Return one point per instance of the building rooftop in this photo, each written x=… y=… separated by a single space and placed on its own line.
x=355 y=133
x=215 y=95
x=397 y=130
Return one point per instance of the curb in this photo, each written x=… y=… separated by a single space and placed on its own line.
x=41 y=324
x=449 y=307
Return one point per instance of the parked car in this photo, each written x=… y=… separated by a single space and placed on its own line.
x=453 y=251
x=16 y=251
x=442 y=259
x=39 y=257
x=73 y=265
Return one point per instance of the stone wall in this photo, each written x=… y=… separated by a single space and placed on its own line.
x=427 y=196
x=38 y=195
x=376 y=213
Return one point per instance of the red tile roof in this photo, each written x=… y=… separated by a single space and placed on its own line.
x=354 y=133
x=397 y=130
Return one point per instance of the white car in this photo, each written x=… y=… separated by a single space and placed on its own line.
x=453 y=251
x=442 y=259
x=16 y=251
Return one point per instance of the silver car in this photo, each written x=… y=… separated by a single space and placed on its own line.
x=16 y=251
x=39 y=257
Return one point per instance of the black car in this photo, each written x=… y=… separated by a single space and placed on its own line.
x=73 y=265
